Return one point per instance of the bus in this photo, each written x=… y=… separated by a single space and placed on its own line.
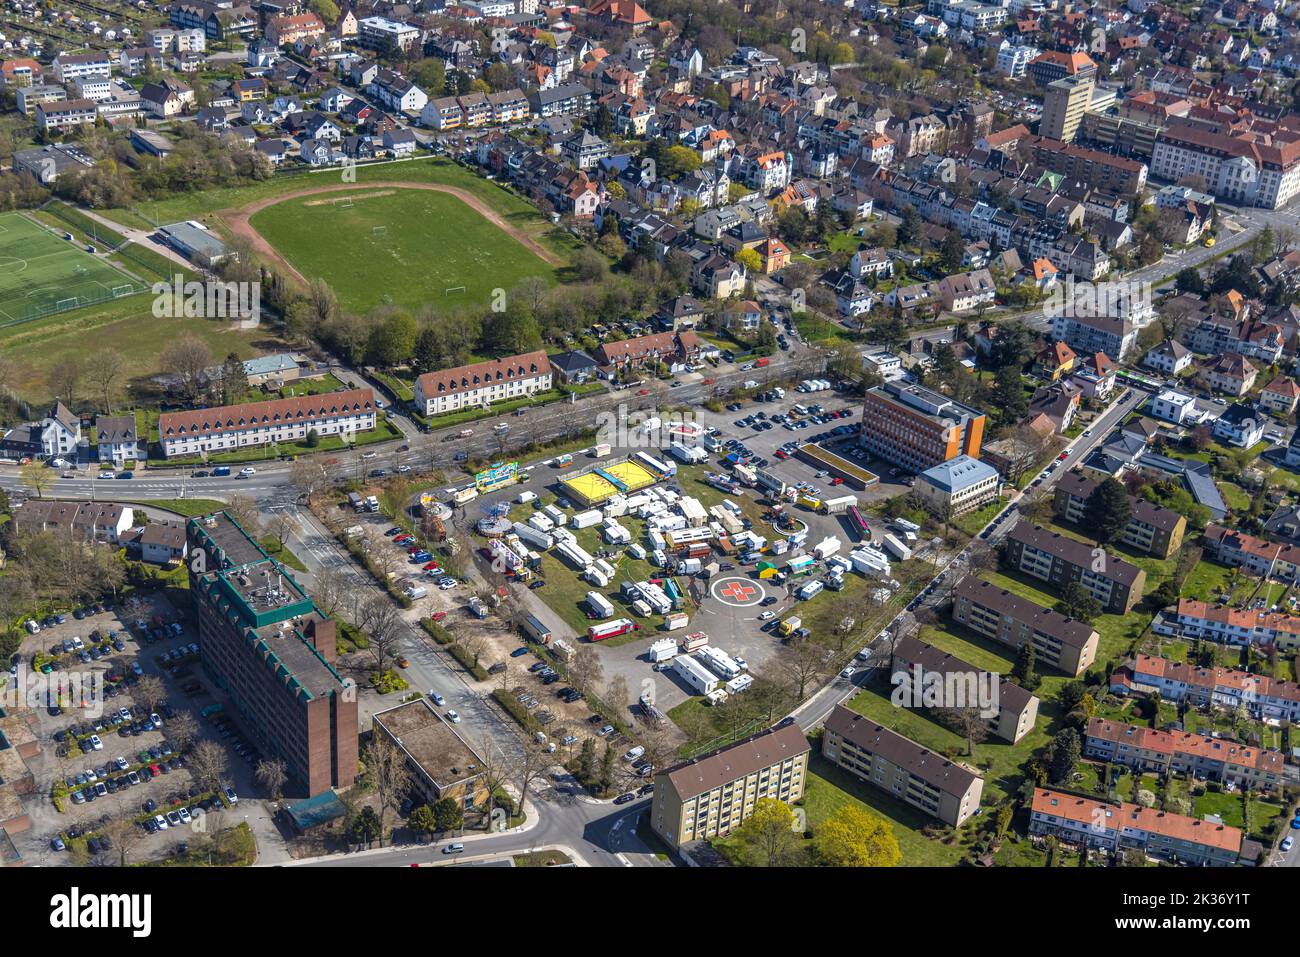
x=858 y=523
x=610 y=629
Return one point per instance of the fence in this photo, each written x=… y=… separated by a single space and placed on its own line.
x=32 y=313
x=95 y=230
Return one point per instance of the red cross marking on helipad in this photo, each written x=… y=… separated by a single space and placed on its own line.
x=738 y=590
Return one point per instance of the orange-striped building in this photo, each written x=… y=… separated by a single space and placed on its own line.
x=916 y=428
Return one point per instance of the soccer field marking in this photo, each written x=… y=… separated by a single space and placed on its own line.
x=19 y=263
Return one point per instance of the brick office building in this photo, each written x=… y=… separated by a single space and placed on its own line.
x=271 y=652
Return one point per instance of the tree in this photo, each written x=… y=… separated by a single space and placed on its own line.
x=1062 y=756
x=1077 y=602
x=799 y=664
x=234 y=380
x=431 y=76
x=309 y=475
x=36 y=476
x=953 y=250
x=272 y=774
x=751 y=261
x=208 y=764
x=388 y=774
x=1108 y=511
x=968 y=722
x=1009 y=395
x=586 y=670
x=769 y=832
x=185 y=360
x=65 y=376
x=909 y=229
x=122 y=830
x=182 y=729
x=105 y=373
x=854 y=837
x=448 y=815
x=424 y=821
x=243 y=510
x=1023 y=670
x=365 y=826
x=148 y=692
x=381 y=621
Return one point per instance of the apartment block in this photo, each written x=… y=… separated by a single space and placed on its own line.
x=1113 y=335
x=1246 y=170
x=900 y=767
x=271 y=653
x=916 y=428
x=1152 y=529
x=61 y=114
x=712 y=795
x=1228 y=688
x=482 y=383
x=1114 y=174
x=1002 y=616
x=1088 y=822
x=1060 y=560
x=1179 y=752
x=231 y=427
x=1017 y=709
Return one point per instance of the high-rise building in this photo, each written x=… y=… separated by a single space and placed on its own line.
x=271 y=652
x=1064 y=103
x=917 y=428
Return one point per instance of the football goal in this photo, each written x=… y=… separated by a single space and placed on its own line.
x=119 y=291
x=67 y=304
x=450 y=289
x=378 y=231
x=344 y=203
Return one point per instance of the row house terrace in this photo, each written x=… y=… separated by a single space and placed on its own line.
x=227 y=428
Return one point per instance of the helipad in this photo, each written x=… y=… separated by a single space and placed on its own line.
x=737 y=592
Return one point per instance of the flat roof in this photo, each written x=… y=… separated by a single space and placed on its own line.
x=431 y=742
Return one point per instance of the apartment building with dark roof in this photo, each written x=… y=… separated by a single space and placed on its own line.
x=1003 y=616
x=1060 y=561
x=915 y=660
x=1152 y=529
x=900 y=767
x=710 y=796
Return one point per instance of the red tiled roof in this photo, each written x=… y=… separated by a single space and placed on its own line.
x=274 y=412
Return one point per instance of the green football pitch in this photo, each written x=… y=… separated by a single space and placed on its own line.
x=400 y=246
x=41 y=273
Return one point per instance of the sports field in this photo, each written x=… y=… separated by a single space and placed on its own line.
x=402 y=246
x=592 y=489
x=41 y=273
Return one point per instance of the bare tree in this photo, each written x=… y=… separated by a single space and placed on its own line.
x=105 y=373
x=121 y=829
x=272 y=774
x=616 y=694
x=282 y=526
x=389 y=774
x=65 y=376
x=244 y=511
x=208 y=764
x=586 y=671
x=182 y=729
x=968 y=722
x=37 y=477
x=148 y=692
x=185 y=360
x=497 y=768
x=532 y=763
x=309 y=474
x=329 y=590
x=799 y=665
x=381 y=622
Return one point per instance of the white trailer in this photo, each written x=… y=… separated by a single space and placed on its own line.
x=540 y=522
x=689 y=454
x=827 y=547
x=523 y=498
x=575 y=555
x=896 y=548
x=599 y=604
x=810 y=589
x=738 y=684
x=834 y=506
x=694 y=675
x=663 y=650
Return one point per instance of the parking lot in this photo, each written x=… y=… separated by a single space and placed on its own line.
x=117 y=732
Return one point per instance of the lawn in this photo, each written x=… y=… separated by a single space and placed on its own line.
x=202 y=205
x=973 y=522
x=125 y=326
x=830 y=788
x=41 y=272
x=186 y=507
x=404 y=247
